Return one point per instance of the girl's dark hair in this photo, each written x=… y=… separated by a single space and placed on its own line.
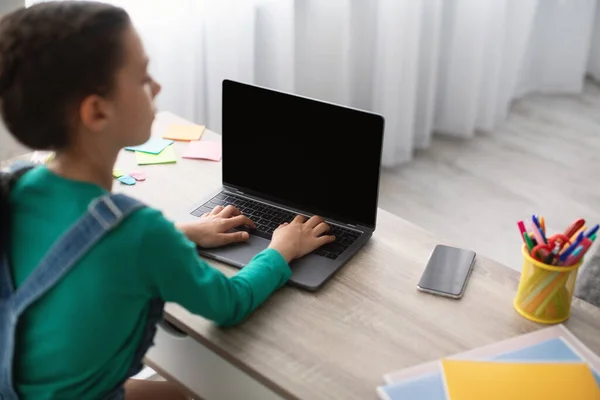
x=52 y=56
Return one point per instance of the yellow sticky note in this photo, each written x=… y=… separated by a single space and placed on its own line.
x=117 y=173
x=475 y=380
x=184 y=132
x=164 y=157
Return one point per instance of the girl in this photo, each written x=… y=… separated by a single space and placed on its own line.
x=76 y=314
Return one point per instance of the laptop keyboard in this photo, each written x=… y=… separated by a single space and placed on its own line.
x=267 y=218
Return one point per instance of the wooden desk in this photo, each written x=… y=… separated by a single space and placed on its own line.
x=338 y=342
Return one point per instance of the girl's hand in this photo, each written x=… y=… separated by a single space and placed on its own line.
x=213 y=229
x=300 y=237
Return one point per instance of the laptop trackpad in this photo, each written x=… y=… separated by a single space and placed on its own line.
x=308 y=272
x=238 y=254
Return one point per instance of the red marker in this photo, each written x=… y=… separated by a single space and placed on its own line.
x=574 y=227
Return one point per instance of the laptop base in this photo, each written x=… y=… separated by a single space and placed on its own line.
x=309 y=272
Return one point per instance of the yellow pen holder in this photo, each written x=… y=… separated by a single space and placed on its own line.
x=545 y=291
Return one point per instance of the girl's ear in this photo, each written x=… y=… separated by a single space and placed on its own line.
x=94 y=113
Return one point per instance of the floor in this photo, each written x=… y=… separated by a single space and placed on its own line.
x=544 y=159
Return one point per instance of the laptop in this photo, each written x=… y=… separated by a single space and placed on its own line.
x=285 y=155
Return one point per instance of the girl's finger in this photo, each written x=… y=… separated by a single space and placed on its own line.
x=216 y=210
x=300 y=219
x=230 y=211
x=321 y=229
x=314 y=221
x=236 y=221
x=235 y=237
x=323 y=240
x=282 y=225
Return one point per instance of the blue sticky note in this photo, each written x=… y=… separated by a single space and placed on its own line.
x=126 y=179
x=426 y=387
x=154 y=145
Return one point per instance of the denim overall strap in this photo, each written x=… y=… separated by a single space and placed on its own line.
x=154 y=317
x=8 y=180
x=104 y=214
x=7 y=327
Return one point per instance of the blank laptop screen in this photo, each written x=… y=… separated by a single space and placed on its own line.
x=316 y=156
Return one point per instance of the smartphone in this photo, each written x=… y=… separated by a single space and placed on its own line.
x=447 y=271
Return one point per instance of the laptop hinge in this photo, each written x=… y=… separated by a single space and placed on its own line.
x=233 y=190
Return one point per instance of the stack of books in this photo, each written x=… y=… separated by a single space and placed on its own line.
x=548 y=364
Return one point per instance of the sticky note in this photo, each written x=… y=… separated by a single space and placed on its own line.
x=138 y=175
x=474 y=380
x=117 y=172
x=126 y=179
x=184 y=132
x=203 y=150
x=154 y=145
x=164 y=157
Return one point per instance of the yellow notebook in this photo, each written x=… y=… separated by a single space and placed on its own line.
x=184 y=132
x=475 y=380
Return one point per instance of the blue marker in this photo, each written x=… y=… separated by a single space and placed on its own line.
x=537 y=223
x=571 y=248
x=592 y=231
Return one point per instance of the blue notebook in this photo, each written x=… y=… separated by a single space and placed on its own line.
x=431 y=386
x=426 y=387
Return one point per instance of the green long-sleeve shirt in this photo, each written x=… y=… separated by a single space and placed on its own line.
x=78 y=340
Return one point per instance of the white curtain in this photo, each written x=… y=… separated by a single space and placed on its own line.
x=594 y=64
x=445 y=66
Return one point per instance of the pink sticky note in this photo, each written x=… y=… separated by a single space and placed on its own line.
x=203 y=150
x=137 y=175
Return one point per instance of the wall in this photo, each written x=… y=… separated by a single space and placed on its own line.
x=9 y=5
x=8 y=146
